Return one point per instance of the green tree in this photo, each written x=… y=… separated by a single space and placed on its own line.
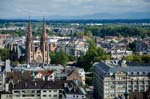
x=89 y=33
x=79 y=34
x=15 y=62
x=4 y=54
x=92 y=55
x=62 y=57
x=145 y=58
x=137 y=58
x=71 y=57
x=53 y=57
x=59 y=57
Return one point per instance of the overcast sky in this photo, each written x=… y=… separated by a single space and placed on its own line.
x=39 y=8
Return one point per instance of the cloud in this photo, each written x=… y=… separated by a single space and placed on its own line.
x=147 y=0
x=24 y=8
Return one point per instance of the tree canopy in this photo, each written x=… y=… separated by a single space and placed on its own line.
x=4 y=54
x=137 y=58
x=59 y=57
x=92 y=55
x=113 y=30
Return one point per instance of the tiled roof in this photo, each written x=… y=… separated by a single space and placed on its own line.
x=44 y=73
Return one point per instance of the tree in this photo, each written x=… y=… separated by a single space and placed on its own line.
x=88 y=33
x=4 y=54
x=71 y=57
x=133 y=58
x=79 y=34
x=92 y=55
x=146 y=58
x=62 y=57
x=137 y=58
x=53 y=57
x=59 y=57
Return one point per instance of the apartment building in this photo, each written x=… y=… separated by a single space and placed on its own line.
x=113 y=81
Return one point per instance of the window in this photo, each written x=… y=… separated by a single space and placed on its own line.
x=49 y=95
x=17 y=95
x=54 y=95
x=16 y=91
x=49 y=90
x=44 y=95
x=23 y=95
x=44 y=90
x=23 y=91
x=55 y=90
x=33 y=91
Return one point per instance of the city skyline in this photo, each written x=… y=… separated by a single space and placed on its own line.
x=79 y=9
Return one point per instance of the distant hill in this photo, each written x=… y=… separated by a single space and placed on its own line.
x=129 y=15
x=84 y=21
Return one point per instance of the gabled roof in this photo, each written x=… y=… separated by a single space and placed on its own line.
x=46 y=73
x=74 y=75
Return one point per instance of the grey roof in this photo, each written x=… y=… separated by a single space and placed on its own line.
x=106 y=70
x=28 y=84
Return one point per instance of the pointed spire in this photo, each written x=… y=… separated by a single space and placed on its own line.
x=29 y=42
x=29 y=28
x=44 y=27
x=29 y=22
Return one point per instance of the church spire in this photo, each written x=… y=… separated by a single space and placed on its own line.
x=29 y=43
x=44 y=29
x=29 y=35
x=44 y=35
x=44 y=44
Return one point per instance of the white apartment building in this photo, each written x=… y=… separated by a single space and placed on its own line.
x=31 y=89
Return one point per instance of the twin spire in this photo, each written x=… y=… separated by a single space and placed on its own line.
x=30 y=28
x=31 y=55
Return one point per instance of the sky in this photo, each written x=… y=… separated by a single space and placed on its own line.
x=100 y=9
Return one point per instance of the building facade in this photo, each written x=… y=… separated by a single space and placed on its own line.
x=46 y=90
x=37 y=53
x=114 y=81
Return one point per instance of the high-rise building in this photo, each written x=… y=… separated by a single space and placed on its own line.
x=37 y=54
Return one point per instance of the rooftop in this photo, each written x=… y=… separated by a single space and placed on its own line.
x=107 y=70
x=29 y=84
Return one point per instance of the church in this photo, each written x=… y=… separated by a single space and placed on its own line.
x=34 y=53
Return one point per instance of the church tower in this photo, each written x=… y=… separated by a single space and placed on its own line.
x=44 y=44
x=29 y=44
x=34 y=53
